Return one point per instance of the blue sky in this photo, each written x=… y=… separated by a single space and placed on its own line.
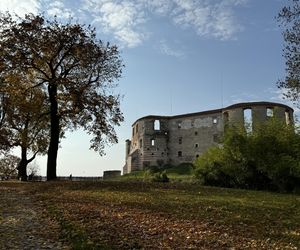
x=181 y=56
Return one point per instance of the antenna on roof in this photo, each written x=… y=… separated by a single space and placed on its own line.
x=171 y=101
x=222 y=89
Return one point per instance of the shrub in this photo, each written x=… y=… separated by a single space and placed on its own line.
x=160 y=177
x=267 y=158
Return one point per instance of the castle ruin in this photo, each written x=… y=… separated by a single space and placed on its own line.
x=159 y=140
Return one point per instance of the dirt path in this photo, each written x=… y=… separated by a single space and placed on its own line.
x=24 y=224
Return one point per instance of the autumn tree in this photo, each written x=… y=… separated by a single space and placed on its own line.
x=25 y=124
x=8 y=166
x=3 y=132
x=289 y=18
x=75 y=69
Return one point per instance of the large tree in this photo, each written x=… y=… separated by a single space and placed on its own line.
x=74 y=68
x=289 y=17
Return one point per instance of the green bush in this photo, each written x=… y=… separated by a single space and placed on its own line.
x=156 y=176
x=181 y=169
x=160 y=177
x=267 y=158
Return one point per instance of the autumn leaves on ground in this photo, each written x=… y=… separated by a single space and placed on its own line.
x=135 y=215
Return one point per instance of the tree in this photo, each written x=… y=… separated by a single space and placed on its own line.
x=289 y=17
x=8 y=166
x=76 y=71
x=267 y=158
x=26 y=123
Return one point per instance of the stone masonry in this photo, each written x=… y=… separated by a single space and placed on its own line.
x=159 y=140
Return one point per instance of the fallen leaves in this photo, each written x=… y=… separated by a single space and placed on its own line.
x=134 y=216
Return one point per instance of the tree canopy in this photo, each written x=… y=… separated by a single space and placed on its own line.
x=25 y=123
x=73 y=69
x=289 y=18
x=267 y=158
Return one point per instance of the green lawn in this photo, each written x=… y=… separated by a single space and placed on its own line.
x=183 y=172
x=127 y=215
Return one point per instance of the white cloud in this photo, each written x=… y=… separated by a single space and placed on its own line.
x=210 y=19
x=158 y=6
x=57 y=8
x=20 y=7
x=121 y=18
x=126 y=19
x=167 y=50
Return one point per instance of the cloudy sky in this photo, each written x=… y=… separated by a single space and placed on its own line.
x=181 y=56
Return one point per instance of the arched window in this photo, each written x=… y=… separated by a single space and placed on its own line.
x=248 y=119
x=225 y=117
x=287 y=117
x=156 y=125
x=270 y=112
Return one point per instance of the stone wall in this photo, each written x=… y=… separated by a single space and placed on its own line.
x=159 y=140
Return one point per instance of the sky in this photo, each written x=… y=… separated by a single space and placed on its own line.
x=180 y=56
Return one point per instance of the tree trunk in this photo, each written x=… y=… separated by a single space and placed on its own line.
x=54 y=133
x=22 y=167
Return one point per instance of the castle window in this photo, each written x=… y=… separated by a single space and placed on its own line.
x=215 y=120
x=162 y=153
x=216 y=138
x=133 y=131
x=225 y=117
x=152 y=154
x=179 y=153
x=197 y=156
x=141 y=143
x=270 y=112
x=180 y=140
x=287 y=117
x=179 y=125
x=248 y=119
x=196 y=145
x=137 y=128
x=152 y=142
x=156 y=125
x=196 y=133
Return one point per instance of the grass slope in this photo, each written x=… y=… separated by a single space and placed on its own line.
x=183 y=172
x=127 y=215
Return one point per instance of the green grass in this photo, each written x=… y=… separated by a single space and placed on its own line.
x=183 y=172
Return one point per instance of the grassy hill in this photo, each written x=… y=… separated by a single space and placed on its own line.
x=183 y=172
x=127 y=215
